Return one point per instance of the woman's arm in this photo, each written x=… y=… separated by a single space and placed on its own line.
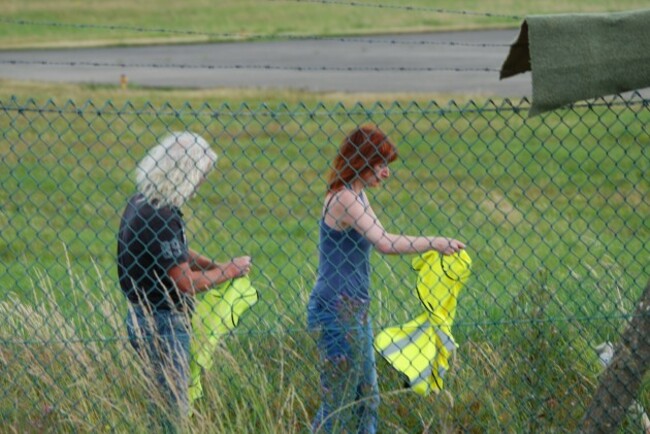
x=346 y=210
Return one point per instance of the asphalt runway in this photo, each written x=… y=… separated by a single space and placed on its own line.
x=450 y=62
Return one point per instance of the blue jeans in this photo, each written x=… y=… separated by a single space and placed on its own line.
x=348 y=376
x=162 y=339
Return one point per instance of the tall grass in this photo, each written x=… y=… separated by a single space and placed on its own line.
x=61 y=375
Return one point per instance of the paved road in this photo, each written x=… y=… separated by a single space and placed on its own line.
x=429 y=63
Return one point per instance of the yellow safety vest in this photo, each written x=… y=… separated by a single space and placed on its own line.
x=421 y=348
x=217 y=312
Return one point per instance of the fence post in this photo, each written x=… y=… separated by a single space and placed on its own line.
x=621 y=380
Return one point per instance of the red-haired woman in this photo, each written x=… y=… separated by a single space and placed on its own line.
x=338 y=305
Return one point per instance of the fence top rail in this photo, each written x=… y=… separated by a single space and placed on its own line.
x=319 y=109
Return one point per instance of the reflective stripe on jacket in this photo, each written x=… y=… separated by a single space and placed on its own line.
x=421 y=348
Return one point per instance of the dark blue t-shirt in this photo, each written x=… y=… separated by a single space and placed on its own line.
x=150 y=241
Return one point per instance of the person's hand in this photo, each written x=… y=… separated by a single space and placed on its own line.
x=242 y=265
x=447 y=246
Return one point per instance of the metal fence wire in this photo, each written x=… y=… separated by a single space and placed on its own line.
x=553 y=209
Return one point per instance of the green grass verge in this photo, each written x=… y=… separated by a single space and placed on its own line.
x=239 y=19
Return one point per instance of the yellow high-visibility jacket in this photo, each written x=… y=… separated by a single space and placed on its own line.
x=421 y=348
x=217 y=311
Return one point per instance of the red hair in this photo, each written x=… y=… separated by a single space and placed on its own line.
x=361 y=150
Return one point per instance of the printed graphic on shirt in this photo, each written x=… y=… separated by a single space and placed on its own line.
x=171 y=249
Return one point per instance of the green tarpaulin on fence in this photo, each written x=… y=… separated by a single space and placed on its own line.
x=581 y=56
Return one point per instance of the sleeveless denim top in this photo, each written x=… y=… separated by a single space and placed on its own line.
x=343 y=265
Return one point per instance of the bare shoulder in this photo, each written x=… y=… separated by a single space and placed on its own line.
x=339 y=207
x=341 y=200
x=344 y=196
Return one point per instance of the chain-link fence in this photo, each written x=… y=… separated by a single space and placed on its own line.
x=554 y=210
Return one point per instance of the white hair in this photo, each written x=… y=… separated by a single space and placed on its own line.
x=172 y=170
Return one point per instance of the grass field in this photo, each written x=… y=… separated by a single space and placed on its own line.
x=552 y=207
x=554 y=210
x=202 y=20
x=523 y=194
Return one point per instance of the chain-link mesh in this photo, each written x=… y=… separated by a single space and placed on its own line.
x=554 y=210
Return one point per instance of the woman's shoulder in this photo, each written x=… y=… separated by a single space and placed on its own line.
x=347 y=193
x=344 y=197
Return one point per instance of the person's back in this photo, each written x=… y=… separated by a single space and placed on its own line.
x=158 y=272
x=150 y=241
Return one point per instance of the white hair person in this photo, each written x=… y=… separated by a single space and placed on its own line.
x=172 y=170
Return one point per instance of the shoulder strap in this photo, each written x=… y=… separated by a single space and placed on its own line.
x=327 y=205
x=364 y=198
